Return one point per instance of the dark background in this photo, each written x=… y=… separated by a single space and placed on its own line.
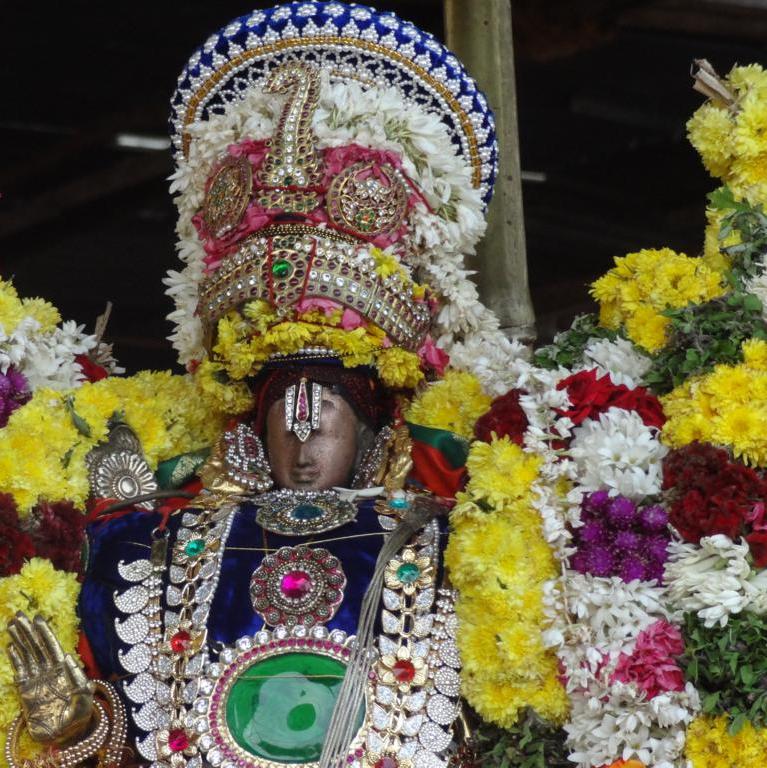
x=603 y=92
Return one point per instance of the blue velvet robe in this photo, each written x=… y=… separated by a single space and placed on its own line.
x=232 y=616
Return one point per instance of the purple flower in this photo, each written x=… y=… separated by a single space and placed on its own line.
x=656 y=548
x=621 y=512
x=632 y=567
x=14 y=392
x=596 y=502
x=653 y=518
x=592 y=532
x=655 y=571
x=580 y=562
x=600 y=560
x=626 y=541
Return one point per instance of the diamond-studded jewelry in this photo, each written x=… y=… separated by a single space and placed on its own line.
x=298 y=585
x=302 y=414
x=298 y=513
x=245 y=458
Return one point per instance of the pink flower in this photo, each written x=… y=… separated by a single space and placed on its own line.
x=217 y=248
x=431 y=355
x=652 y=666
x=351 y=320
x=338 y=159
x=254 y=150
x=325 y=305
x=661 y=637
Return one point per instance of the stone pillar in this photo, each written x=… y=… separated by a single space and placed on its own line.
x=479 y=32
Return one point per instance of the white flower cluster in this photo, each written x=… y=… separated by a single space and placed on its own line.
x=45 y=358
x=620 y=358
x=619 y=452
x=757 y=285
x=715 y=579
x=441 y=235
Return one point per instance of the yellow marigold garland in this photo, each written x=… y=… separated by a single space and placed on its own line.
x=454 y=403
x=38 y=588
x=726 y=407
x=709 y=744
x=246 y=340
x=732 y=139
x=643 y=284
x=43 y=447
x=498 y=560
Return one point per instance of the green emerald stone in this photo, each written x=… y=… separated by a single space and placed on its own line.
x=306 y=512
x=281 y=268
x=279 y=709
x=407 y=573
x=288 y=180
x=194 y=547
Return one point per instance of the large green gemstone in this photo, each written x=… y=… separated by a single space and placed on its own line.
x=305 y=512
x=279 y=708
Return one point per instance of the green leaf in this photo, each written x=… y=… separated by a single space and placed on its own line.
x=737 y=724
x=722 y=199
x=710 y=701
x=752 y=303
x=80 y=424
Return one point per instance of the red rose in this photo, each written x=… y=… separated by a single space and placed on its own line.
x=640 y=400
x=505 y=418
x=588 y=395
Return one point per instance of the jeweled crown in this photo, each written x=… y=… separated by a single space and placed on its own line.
x=298 y=224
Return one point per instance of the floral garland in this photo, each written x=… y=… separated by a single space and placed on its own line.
x=498 y=560
x=43 y=447
x=454 y=403
x=642 y=285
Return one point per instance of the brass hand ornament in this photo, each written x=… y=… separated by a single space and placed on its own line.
x=56 y=696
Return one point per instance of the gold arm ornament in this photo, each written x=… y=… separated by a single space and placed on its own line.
x=74 y=718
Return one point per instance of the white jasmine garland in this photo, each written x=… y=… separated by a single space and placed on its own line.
x=619 y=452
x=620 y=722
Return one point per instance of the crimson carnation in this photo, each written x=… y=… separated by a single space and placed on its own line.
x=58 y=534
x=92 y=371
x=708 y=494
x=15 y=545
x=505 y=418
x=591 y=395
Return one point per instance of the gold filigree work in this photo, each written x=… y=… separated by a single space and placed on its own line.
x=228 y=195
x=368 y=198
x=293 y=163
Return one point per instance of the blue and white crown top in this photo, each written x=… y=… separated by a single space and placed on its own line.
x=349 y=42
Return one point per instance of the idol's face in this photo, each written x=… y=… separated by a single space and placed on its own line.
x=327 y=457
